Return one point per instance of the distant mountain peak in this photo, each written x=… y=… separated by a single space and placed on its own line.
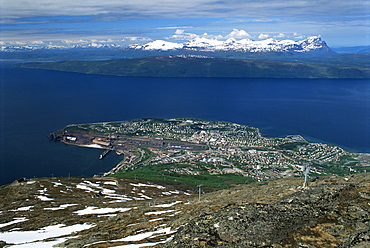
x=159 y=45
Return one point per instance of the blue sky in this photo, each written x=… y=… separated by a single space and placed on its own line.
x=37 y=22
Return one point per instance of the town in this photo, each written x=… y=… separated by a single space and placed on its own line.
x=194 y=147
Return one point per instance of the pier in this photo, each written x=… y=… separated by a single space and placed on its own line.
x=101 y=156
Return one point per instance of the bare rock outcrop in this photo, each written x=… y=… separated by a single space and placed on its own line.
x=326 y=215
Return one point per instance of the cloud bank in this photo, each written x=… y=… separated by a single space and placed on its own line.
x=180 y=34
x=31 y=20
x=133 y=9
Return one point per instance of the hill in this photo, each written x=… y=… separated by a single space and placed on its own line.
x=356 y=49
x=202 y=66
x=111 y=212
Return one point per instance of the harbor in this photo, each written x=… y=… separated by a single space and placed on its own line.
x=101 y=156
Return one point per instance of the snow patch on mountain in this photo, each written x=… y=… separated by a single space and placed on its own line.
x=160 y=45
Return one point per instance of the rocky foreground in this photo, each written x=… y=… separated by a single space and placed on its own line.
x=110 y=212
x=328 y=214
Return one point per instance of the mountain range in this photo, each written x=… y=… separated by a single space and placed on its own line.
x=308 y=58
x=312 y=50
x=311 y=44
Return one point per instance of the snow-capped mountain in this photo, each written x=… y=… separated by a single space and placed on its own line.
x=310 y=44
x=230 y=48
x=159 y=45
x=313 y=43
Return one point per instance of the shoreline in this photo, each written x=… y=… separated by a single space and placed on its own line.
x=97 y=146
x=213 y=144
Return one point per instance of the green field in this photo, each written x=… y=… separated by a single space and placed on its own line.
x=158 y=174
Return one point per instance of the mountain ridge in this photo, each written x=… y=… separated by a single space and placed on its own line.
x=311 y=44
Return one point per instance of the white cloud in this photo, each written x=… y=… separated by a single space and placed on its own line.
x=68 y=41
x=298 y=36
x=180 y=34
x=281 y=35
x=209 y=36
x=84 y=41
x=102 y=41
x=179 y=27
x=37 y=42
x=17 y=43
x=179 y=31
x=238 y=34
x=76 y=41
x=263 y=36
x=113 y=8
x=134 y=38
x=164 y=9
x=330 y=18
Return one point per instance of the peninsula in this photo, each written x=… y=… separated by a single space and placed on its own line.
x=183 y=148
x=189 y=65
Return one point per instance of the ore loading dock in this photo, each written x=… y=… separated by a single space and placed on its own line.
x=118 y=142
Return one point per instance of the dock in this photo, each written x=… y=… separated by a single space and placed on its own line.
x=101 y=156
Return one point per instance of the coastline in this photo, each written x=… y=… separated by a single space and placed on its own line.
x=118 y=152
x=197 y=142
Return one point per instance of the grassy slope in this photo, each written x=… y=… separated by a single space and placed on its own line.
x=159 y=174
x=170 y=66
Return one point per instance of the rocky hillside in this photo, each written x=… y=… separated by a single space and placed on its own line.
x=330 y=213
x=92 y=212
x=109 y=212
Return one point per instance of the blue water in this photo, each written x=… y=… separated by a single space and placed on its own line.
x=34 y=103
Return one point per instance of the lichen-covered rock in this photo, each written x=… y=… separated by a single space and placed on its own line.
x=360 y=239
x=332 y=212
x=324 y=216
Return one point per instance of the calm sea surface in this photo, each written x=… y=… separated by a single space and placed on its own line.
x=34 y=103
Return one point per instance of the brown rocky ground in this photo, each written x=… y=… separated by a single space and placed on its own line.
x=332 y=212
